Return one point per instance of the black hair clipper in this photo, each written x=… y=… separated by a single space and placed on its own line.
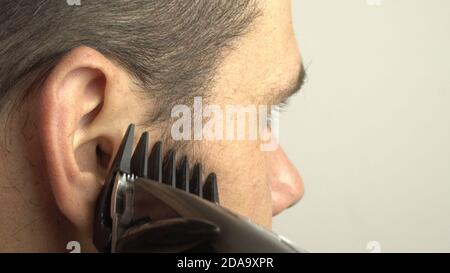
x=150 y=205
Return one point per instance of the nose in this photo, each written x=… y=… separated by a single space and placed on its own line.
x=284 y=179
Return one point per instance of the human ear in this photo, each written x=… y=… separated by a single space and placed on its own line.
x=82 y=115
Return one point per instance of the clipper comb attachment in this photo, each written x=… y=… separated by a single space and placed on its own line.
x=166 y=171
x=128 y=166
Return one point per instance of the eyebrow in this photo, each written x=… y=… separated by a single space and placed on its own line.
x=294 y=87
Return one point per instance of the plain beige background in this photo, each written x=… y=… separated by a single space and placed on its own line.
x=371 y=130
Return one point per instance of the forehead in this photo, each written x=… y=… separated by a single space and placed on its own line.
x=264 y=61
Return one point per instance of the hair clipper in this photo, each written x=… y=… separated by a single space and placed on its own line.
x=152 y=205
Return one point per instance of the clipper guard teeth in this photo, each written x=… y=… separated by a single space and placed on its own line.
x=164 y=169
x=195 y=183
x=153 y=166
x=155 y=163
x=139 y=160
x=210 y=191
x=169 y=169
x=183 y=175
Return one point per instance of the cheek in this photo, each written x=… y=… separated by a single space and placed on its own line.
x=243 y=186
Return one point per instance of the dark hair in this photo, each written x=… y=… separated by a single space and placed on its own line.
x=171 y=47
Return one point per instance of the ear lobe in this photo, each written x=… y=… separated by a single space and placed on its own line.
x=72 y=102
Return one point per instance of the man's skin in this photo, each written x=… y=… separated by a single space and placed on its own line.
x=52 y=171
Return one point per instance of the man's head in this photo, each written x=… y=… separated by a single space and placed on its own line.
x=73 y=78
